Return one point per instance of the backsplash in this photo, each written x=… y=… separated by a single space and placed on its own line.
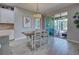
x=6 y=26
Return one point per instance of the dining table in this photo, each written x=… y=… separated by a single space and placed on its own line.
x=30 y=35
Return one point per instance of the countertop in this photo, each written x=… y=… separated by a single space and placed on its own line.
x=7 y=26
x=5 y=32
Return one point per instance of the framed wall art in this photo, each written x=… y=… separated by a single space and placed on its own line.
x=27 y=22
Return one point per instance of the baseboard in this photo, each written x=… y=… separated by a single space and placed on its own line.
x=20 y=38
x=73 y=41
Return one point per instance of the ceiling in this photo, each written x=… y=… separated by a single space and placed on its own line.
x=43 y=7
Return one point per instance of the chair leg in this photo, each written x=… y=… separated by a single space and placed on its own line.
x=34 y=45
x=40 y=42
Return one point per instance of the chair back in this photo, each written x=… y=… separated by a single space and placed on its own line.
x=44 y=33
x=37 y=35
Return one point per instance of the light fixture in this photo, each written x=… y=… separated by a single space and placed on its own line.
x=37 y=14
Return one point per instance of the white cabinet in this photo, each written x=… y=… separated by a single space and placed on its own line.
x=9 y=32
x=6 y=16
x=11 y=36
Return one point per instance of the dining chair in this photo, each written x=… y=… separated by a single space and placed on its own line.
x=44 y=37
x=37 y=38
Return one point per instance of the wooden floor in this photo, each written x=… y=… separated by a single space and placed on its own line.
x=59 y=46
x=55 y=46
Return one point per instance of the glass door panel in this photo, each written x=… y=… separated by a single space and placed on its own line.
x=60 y=25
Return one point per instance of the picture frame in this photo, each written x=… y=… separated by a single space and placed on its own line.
x=27 y=22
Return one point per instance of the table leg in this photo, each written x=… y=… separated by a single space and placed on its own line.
x=33 y=42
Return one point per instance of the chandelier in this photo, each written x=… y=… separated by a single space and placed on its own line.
x=37 y=14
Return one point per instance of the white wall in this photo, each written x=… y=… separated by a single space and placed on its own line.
x=73 y=32
x=19 y=14
x=6 y=16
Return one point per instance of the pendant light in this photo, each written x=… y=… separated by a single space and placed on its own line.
x=37 y=14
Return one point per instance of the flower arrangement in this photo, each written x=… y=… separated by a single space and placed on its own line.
x=76 y=17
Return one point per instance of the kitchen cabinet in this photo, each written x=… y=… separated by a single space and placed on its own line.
x=6 y=16
x=9 y=32
x=4 y=43
x=11 y=36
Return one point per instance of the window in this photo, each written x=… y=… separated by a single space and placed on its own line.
x=37 y=23
x=61 y=14
x=57 y=15
x=64 y=13
x=61 y=21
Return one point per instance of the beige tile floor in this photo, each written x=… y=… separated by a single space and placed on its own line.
x=55 y=46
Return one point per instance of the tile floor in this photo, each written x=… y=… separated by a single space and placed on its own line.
x=55 y=46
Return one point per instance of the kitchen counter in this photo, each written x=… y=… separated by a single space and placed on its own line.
x=4 y=42
x=4 y=33
x=9 y=33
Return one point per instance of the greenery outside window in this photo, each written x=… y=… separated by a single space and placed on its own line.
x=37 y=23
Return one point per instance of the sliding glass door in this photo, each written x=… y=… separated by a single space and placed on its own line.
x=60 y=25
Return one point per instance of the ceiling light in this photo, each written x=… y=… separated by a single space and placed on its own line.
x=37 y=14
